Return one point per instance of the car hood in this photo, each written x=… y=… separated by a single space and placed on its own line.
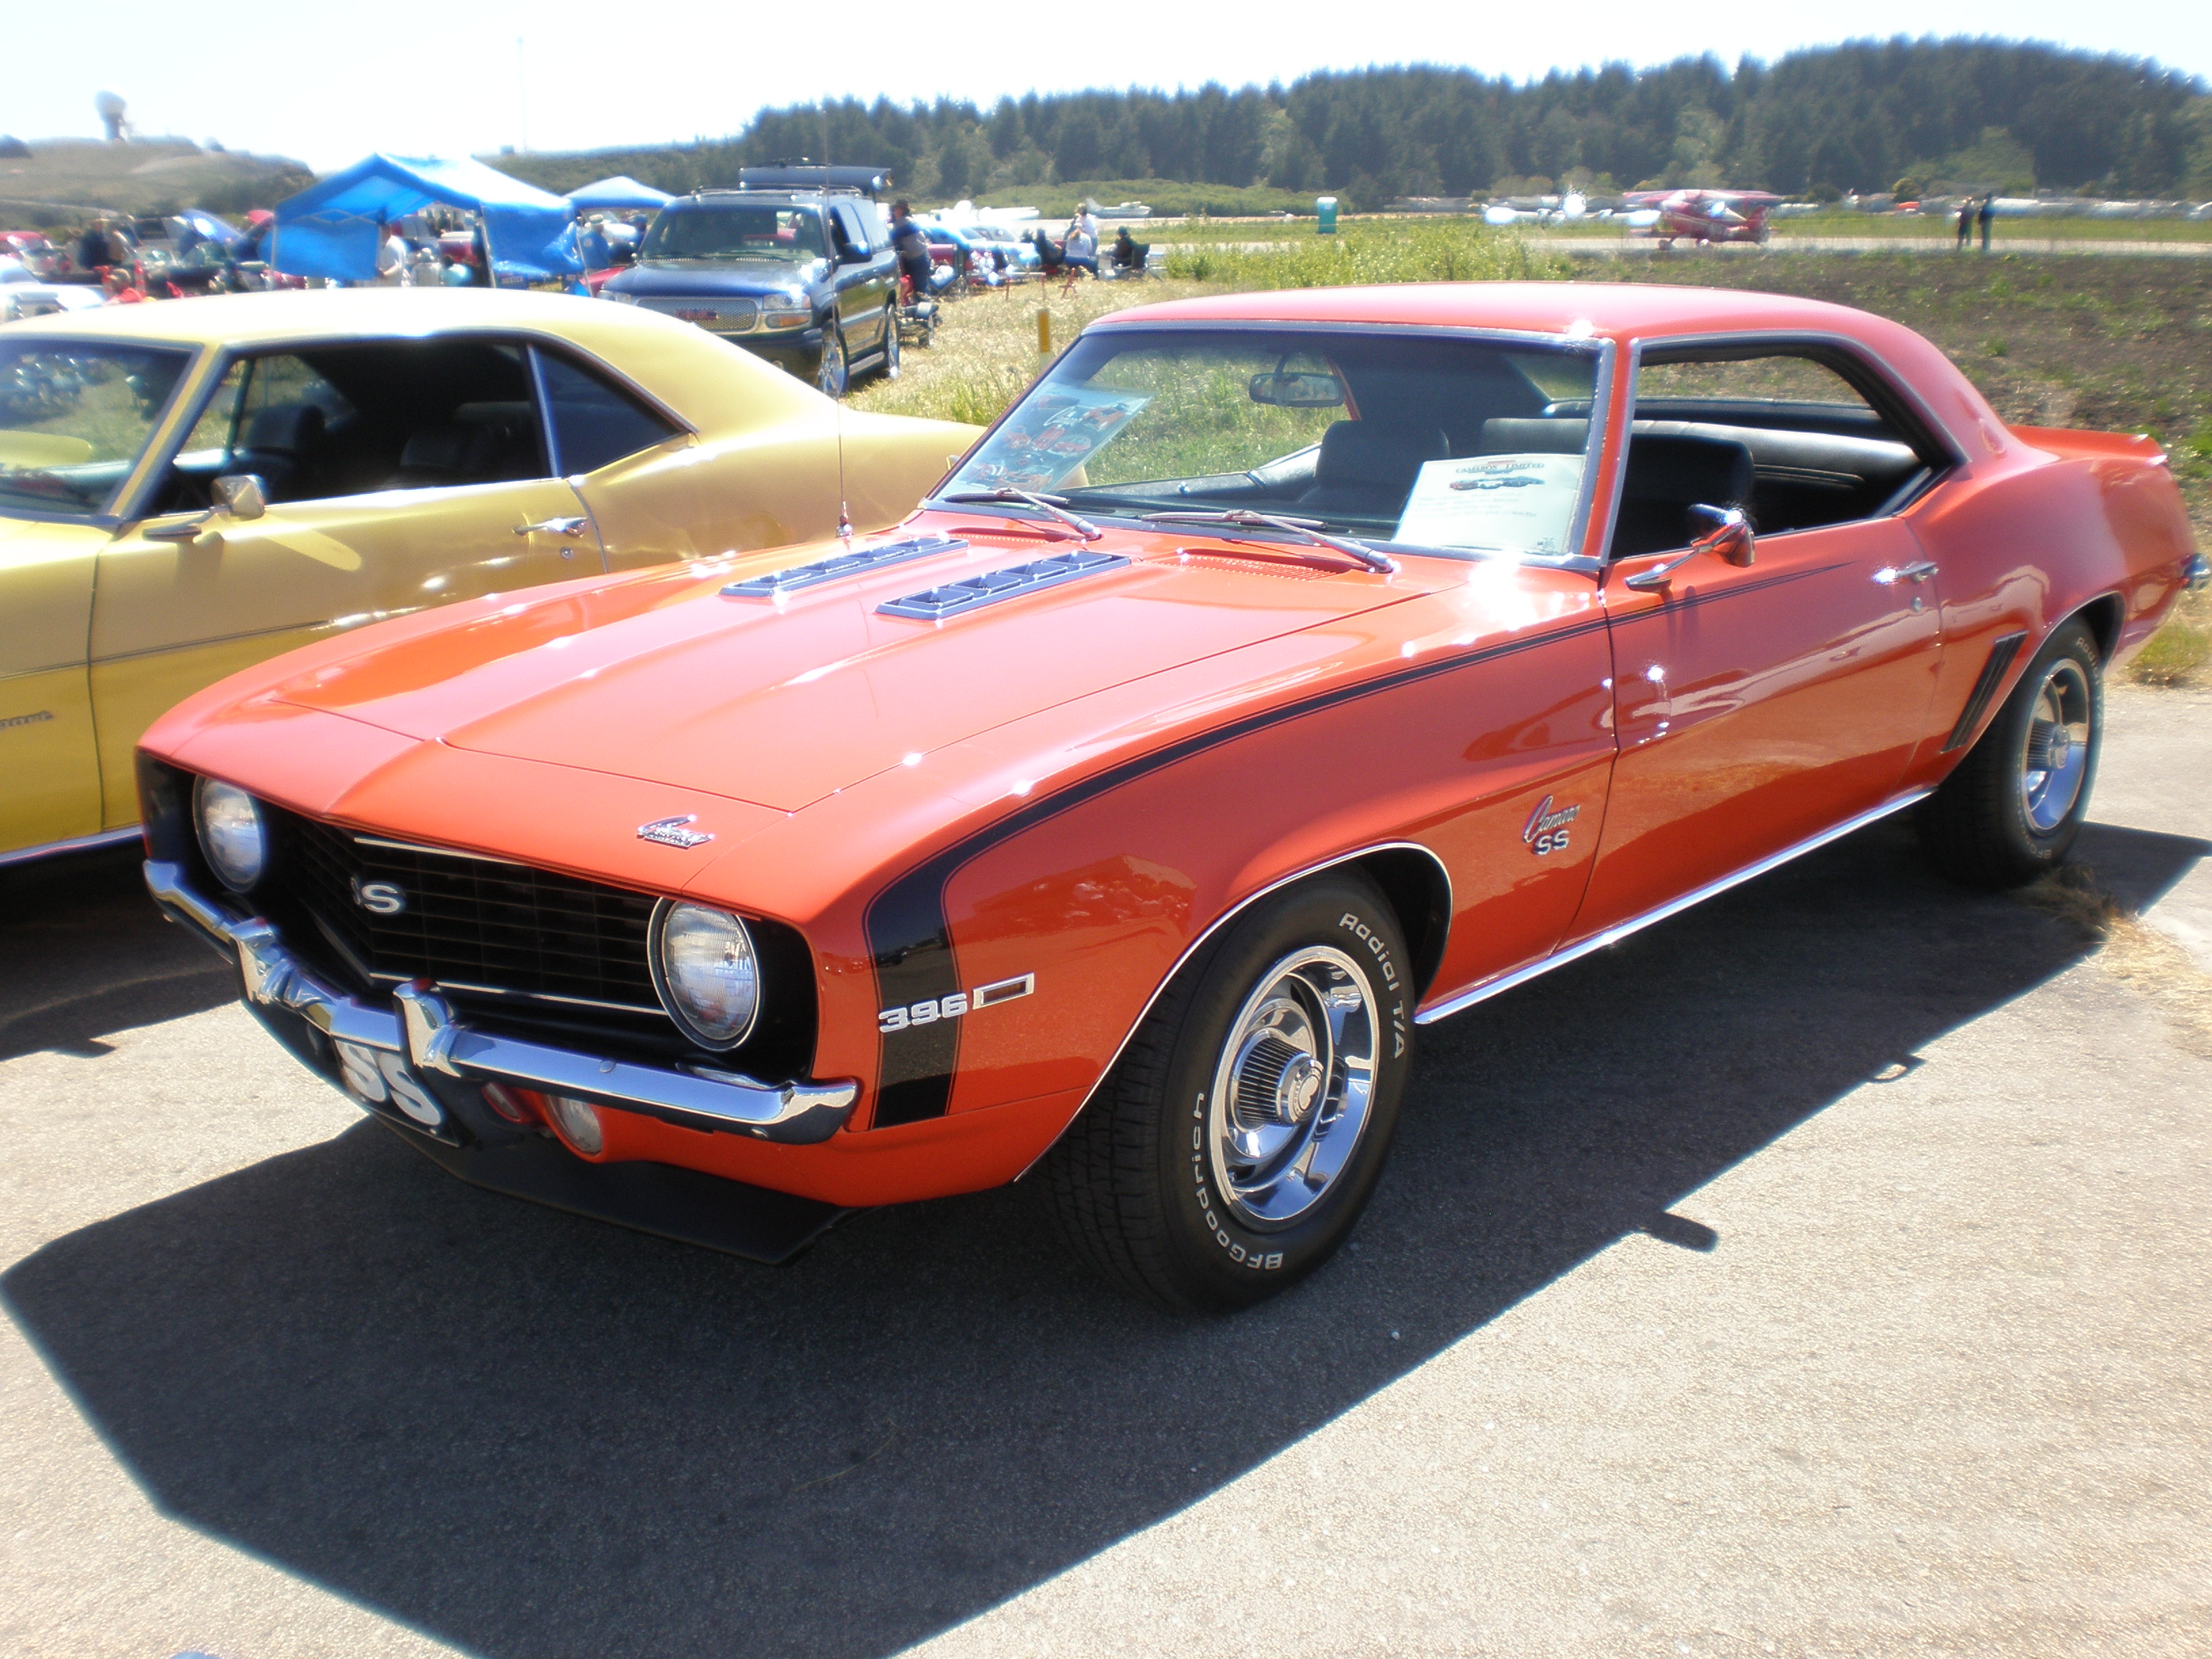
x=679 y=277
x=664 y=677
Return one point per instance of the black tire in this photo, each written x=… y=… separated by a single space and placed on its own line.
x=1136 y=1185
x=1986 y=827
x=833 y=374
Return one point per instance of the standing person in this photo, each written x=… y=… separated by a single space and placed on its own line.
x=592 y=244
x=1966 y=224
x=1988 y=217
x=95 y=249
x=912 y=248
x=392 y=268
x=1088 y=224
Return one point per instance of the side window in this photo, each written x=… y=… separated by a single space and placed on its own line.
x=595 y=423
x=272 y=415
x=1781 y=434
x=207 y=446
x=851 y=232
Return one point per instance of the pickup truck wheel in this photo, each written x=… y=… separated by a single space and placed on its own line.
x=1236 y=1142
x=2011 y=810
x=832 y=377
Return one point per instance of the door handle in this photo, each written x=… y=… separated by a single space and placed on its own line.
x=554 y=527
x=1889 y=575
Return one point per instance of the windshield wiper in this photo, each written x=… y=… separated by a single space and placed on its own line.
x=1306 y=529
x=1056 y=505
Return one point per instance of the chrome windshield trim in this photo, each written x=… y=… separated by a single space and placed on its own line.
x=423 y=1028
x=1483 y=990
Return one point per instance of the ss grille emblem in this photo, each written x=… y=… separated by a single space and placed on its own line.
x=380 y=898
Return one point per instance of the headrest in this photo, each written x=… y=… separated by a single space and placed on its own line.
x=450 y=447
x=1369 y=453
x=291 y=428
x=1685 y=470
x=1517 y=436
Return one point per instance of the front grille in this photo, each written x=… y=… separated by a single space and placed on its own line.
x=719 y=315
x=470 y=924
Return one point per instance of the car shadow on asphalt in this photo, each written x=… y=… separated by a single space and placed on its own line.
x=535 y=1436
x=84 y=954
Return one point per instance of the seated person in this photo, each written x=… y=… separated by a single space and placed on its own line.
x=1080 y=251
x=1129 y=253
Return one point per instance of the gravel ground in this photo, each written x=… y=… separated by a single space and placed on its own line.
x=1827 y=1271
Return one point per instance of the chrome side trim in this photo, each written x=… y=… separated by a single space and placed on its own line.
x=75 y=844
x=1483 y=990
x=423 y=1029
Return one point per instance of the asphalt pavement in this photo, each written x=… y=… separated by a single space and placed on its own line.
x=1826 y=1271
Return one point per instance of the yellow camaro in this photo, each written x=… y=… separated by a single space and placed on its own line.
x=188 y=488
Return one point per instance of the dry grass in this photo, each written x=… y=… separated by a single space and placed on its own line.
x=987 y=347
x=2178 y=653
x=2132 y=951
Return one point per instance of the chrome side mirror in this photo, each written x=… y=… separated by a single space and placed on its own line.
x=244 y=495
x=1730 y=538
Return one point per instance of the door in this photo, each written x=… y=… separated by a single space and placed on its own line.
x=49 y=765
x=656 y=493
x=184 y=599
x=863 y=291
x=1757 y=706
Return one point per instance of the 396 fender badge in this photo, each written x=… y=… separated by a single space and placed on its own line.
x=671 y=832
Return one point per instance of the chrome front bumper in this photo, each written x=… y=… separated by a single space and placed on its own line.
x=421 y=1028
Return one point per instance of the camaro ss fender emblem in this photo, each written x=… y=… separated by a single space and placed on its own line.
x=380 y=898
x=671 y=832
x=930 y=1009
x=1547 y=830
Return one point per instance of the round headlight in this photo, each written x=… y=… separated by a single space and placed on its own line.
x=706 y=972
x=231 y=833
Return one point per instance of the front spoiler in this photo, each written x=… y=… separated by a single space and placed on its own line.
x=423 y=1029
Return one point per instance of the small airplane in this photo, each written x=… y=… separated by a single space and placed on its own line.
x=1702 y=215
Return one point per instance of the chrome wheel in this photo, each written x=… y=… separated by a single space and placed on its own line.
x=1293 y=1087
x=2054 y=757
x=831 y=377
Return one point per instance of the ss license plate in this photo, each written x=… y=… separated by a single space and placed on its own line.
x=382 y=1081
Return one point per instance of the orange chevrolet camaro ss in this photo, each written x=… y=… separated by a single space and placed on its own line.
x=1281 y=674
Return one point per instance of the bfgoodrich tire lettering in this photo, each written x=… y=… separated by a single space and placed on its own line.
x=2011 y=810
x=1237 y=1140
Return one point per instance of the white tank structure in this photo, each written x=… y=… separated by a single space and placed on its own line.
x=110 y=106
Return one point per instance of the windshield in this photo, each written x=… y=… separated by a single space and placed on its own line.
x=758 y=232
x=1457 y=445
x=75 y=417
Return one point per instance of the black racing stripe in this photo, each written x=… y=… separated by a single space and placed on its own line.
x=2003 y=650
x=911 y=940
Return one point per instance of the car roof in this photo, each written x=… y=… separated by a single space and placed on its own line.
x=705 y=380
x=1621 y=311
x=248 y=319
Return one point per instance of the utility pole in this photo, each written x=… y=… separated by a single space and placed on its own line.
x=522 y=93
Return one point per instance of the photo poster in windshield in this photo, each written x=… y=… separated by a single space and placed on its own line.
x=1503 y=503
x=1051 y=435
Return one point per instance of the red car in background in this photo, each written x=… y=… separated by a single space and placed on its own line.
x=37 y=252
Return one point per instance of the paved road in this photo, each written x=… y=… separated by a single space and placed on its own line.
x=1829 y=1270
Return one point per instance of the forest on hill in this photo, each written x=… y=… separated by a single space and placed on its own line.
x=1860 y=117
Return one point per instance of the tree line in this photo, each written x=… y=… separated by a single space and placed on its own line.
x=1861 y=117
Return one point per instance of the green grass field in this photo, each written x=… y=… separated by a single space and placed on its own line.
x=2124 y=344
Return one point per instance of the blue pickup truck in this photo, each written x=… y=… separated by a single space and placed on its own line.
x=805 y=277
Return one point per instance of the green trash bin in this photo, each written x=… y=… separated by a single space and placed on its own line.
x=1326 y=207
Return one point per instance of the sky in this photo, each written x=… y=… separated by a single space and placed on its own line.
x=329 y=84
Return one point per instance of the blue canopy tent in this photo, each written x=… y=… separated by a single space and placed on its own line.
x=329 y=229
x=617 y=193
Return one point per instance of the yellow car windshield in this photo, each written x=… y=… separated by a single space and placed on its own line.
x=75 y=417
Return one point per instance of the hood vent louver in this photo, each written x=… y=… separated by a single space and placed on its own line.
x=777 y=583
x=990 y=586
